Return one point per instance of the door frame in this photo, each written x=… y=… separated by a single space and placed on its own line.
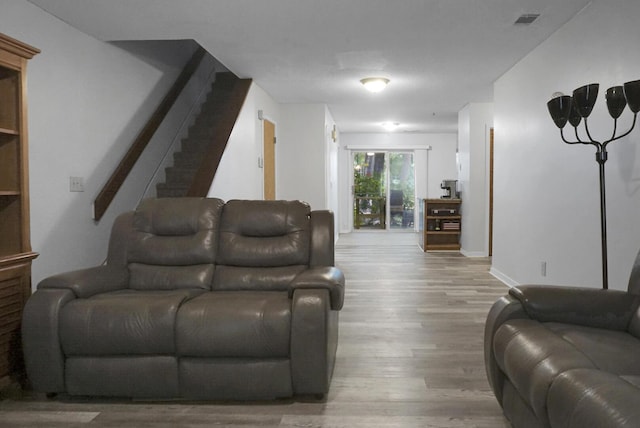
x=268 y=162
x=491 y=166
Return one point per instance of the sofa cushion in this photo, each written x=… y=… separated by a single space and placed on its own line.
x=632 y=379
x=150 y=277
x=593 y=398
x=229 y=278
x=517 y=411
x=613 y=351
x=634 y=324
x=264 y=234
x=174 y=243
x=177 y=217
x=235 y=324
x=235 y=378
x=532 y=356
x=123 y=375
x=122 y=322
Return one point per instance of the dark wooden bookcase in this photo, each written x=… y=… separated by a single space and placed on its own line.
x=15 y=247
x=441 y=225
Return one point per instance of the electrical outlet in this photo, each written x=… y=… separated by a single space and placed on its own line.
x=76 y=184
x=543 y=268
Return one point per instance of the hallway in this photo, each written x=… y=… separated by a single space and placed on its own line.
x=410 y=351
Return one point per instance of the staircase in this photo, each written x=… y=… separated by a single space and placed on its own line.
x=206 y=139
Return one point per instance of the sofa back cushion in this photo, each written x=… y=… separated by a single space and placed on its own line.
x=634 y=324
x=174 y=243
x=262 y=244
x=633 y=287
x=634 y=278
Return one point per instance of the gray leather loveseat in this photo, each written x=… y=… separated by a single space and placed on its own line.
x=198 y=299
x=566 y=357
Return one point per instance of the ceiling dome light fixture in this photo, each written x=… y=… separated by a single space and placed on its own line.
x=390 y=126
x=375 y=84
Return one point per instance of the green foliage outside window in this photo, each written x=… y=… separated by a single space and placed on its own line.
x=370 y=191
x=367 y=185
x=401 y=177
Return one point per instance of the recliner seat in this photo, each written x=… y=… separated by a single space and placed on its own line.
x=566 y=356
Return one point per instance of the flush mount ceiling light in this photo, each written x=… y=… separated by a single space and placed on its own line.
x=374 y=84
x=390 y=126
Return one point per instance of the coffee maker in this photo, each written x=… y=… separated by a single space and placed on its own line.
x=450 y=188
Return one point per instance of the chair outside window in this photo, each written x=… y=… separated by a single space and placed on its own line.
x=396 y=208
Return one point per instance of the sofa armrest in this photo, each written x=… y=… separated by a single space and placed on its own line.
x=322 y=238
x=41 y=340
x=87 y=282
x=326 y=277
x=609 y=309
x=314 y=341
x=504 y=309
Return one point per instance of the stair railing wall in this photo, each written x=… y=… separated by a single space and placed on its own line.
x=209 y=165
x=210 y=68
x=117 y=178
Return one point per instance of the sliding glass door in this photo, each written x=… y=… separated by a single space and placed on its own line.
x=369 y=190
x=402 y=190
x=383 y=190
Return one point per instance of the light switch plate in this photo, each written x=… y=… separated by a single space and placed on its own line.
x=76 y=184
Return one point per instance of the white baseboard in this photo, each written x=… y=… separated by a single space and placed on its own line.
x=509 y=282
x=473 y=253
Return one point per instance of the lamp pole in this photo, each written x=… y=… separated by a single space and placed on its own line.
x=601 y=158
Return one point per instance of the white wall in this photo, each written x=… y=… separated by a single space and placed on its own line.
x=239 y=175
x=306 y=155
x=546 y=192
x=301 y=157
x=434 y=160
x=474 y=123
x=331 y=175
x=87 y=101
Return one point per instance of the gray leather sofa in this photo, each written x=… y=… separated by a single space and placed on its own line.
x=566 y=357
x=198 y=299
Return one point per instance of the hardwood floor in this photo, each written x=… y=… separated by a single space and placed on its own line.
x=410 y=355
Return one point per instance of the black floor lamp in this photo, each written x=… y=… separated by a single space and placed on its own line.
x=564 y=108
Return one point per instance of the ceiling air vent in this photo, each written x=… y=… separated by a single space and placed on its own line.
x=527 y=18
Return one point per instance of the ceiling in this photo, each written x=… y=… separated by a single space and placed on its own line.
x=438 y=54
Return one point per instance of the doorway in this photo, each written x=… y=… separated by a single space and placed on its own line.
x=269 y=160
x=491 y=148
x=383 y=190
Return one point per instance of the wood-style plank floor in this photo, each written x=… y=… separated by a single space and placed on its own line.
x=410 y=355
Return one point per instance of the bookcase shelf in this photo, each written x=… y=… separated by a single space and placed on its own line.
x=440 y=225
x=15 y=247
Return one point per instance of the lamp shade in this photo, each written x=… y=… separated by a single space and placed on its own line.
x=632 y=94
x=585 y=98
x=559 y=109
x=615 y=101
x=574 y=116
